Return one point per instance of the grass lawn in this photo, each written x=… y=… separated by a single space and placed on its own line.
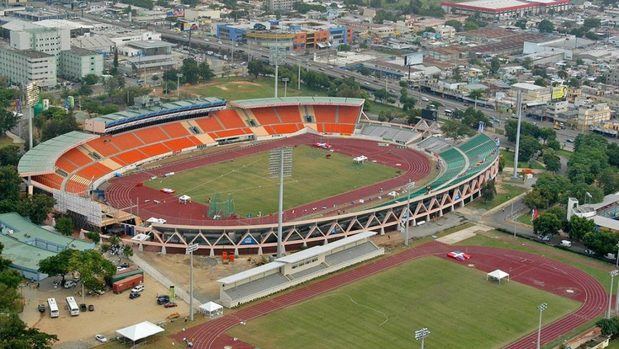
x=457 y=304
x=4 y=141
x=237 y=88
x=509 y=161
x=247 y=180
x=504 y=193
x=525 y=219
x=564 y=153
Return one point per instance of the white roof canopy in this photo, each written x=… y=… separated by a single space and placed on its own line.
x=498 y=274
x=139 y=331
x=210 y=307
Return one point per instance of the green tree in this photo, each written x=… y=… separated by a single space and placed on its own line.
x=609 y=180
x=457 y=25
x=94 y=236
x=456 y=129
x=381 y=94
x=64 y=225
x=90 y=79
x=610 y=327
x=206 y=74
x=36 y=207
x=521 y=23
x=190 y=70
x=476 y=94
x=579 y=226
x=488 y=191
x=9 y=183
x=552 y=161
x=495 y=65
x=545 y=26
x=58 y=264
x=127 y=251
x=546 y=224
x=8 y=120
x=529 y=146
x=15 y=334
x=92 y=267
x=601 y=242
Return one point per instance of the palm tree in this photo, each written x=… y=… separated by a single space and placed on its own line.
x=476 y=94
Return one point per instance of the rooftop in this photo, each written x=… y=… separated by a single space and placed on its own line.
x=150 y=44
x=269 y=102
x=82 y=51
x=42 y=158
x=527 y=86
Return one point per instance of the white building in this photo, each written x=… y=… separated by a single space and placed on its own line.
x=593 y=114
x=78 y=62
x=26 y=66
x=47 y=40
x=280 y=5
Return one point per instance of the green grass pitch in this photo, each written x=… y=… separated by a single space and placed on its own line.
x=456 y=303
x=246 y=179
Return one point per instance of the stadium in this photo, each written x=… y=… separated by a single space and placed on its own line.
x=197 y=172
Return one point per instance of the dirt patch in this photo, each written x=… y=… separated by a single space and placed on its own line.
x=112 y=312
x=207 y=270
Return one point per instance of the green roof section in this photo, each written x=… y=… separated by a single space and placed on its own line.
x=42 y=158
x=22 y=230
x=283 y=101
x=23 y=256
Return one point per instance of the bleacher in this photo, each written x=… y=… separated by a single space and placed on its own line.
x=392 y=133
x=434 y=144
x=296 y=268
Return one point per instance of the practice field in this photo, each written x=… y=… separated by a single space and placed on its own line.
x=246 y=179
x=457 y=304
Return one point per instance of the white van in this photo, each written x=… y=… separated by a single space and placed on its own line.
x=138 y=289
x=566 y=243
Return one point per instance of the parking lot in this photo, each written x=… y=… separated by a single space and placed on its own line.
x=112 y=311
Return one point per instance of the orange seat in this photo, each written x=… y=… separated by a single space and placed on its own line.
x=175 y=130
x=151 y=135
x=179 y=144
x=129 y=157
x=75 y=187
x=72 y=160
x=324 y=113
x=94 y=171
x=266 y=116
x=104 y=146
x=286 y=128
x=230 y=119
x=348 y=115
x=229 y=133
x=126 y=141
x=209 y=124
x=154 y=149
x=289 y=114
x=51 y=180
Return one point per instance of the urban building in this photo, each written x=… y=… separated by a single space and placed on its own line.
x=42 y=39
x=605 y=214
x=280 y=5
x=613 y=77
x=27 y=66
x=497 y=10
x=532 y=94
x=76 y=63
x=592 y=115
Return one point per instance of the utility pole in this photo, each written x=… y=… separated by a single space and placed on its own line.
x=285 y=80
x=519 y=115
x=178 y=84
x=299 y=77
x=190 y=250
x=541 y=308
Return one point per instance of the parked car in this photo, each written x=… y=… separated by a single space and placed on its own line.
x=163 y=299
x=101 y=338
x=138 y=288
x=41 y=308
x=69 y=284
x=169 y=305
x=133 y=295
x=91 y=307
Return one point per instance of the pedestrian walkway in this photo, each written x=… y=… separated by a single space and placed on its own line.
x=463 y=234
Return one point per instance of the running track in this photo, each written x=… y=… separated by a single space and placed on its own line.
x=124 y=192
x=526 y=268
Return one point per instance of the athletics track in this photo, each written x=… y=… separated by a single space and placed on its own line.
x=526 y=268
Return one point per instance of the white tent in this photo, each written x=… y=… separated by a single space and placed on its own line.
x=360 y=159
x=139 y=331
x=211 y=309
x=184 y=199
x=497 y=275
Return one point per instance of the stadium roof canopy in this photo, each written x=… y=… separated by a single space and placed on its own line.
x=42 y=158
x=171 y=107
x=275 y=102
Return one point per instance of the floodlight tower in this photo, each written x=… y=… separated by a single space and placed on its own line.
x=421 y=335
x=280 y=165
x=613 y=273
x=519 y=115
x=541 y=309
x=190 y=249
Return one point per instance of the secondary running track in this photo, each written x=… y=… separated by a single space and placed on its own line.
x=526 y=268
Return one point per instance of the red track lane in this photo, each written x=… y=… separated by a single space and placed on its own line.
x=529 y=269
x=124 y=192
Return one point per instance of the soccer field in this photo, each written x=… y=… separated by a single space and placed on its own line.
x=246 y=179
x=456 y=303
